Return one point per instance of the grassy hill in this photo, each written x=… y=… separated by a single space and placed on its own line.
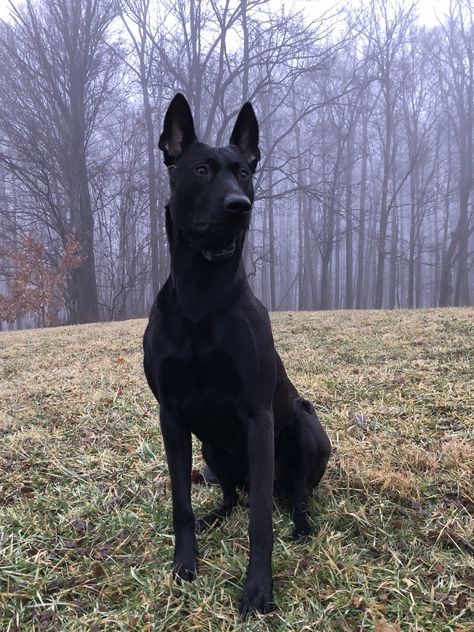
x=85 y=514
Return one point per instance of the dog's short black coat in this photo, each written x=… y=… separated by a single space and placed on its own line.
x=211 y=362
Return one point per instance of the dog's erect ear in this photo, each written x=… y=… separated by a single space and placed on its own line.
x=245 y=135
x=178 y=130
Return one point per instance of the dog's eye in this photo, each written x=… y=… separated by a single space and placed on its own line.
x=202 y=170
x=243 y=173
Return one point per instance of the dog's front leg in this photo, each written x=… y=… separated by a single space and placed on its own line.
x=257 y=595
x=178 y=448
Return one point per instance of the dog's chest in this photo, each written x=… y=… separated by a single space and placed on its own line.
x=201 y=383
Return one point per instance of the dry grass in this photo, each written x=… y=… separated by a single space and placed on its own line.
x=85 y=537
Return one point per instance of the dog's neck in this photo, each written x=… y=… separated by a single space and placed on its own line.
x=203 y=286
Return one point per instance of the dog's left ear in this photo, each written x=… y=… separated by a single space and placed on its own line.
x=178 y=130
x=245 y=135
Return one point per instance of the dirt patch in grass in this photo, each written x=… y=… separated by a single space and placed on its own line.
x=85 y=513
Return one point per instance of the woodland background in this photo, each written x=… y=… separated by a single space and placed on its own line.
x=364 y=195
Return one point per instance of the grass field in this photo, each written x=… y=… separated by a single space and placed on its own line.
x=85 y=513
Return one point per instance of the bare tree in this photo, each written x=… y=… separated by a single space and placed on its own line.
x=364 y=189
x=142 y=23
x=390 y=25
x=456 y=56
x=56 y=76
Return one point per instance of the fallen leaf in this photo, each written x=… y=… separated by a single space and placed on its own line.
x=79 y=525
x=442 y=597
x=461 y=600
x=382 y=625
x=305 y=562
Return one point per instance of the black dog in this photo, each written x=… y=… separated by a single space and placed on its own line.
x=210 y=359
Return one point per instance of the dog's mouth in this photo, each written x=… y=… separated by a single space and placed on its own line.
x=219 y=254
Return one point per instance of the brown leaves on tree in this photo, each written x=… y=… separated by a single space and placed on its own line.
x=37 y=279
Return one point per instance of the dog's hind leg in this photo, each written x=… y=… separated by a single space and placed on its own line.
x=304 y=460
x=229 y=475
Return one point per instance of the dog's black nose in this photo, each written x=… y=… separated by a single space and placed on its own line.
x=200 y=227
x=236 y=203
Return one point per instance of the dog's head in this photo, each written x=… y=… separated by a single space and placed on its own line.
x=211 y=187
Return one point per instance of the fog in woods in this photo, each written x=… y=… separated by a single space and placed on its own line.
x=364 y=194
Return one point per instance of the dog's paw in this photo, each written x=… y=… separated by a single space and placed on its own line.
x=257 y=597
x=215 y=517
x=203 y=525
x=212 y=519
x=184 y=570
x=301 y=533
x=206 y=522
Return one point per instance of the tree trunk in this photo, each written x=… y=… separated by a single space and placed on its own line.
x=392 y=290
x=360 y=303
x=412 y=239
x=151 y=181
x=83 y=284
x=349 y=294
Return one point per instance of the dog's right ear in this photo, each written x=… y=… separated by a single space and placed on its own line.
x=245 y=135
x=178 y=130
